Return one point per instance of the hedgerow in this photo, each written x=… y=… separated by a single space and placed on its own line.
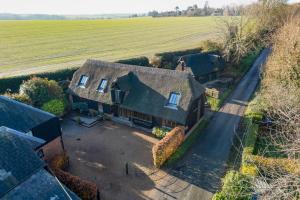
x=167 y=146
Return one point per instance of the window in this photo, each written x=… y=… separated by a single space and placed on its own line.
x=173 y=100
x=102 y=85
x=83 y=81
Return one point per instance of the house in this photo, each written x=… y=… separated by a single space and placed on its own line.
x=33 y=122
x=23 y=175
x=204 y=67
x=142 y=96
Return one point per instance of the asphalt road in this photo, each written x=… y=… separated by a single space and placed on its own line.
x=205 y=164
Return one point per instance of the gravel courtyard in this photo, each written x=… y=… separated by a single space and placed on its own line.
x=100 y=154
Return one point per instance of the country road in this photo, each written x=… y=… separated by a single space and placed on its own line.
x=198 y=175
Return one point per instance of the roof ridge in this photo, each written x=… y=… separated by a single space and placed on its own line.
x=139 y=68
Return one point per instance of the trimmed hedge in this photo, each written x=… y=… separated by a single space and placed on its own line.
x=167 y=146
x=140 y=61
x=84 y=189
x=236 y=186
x=13 y=83
x=248 y=167
x=168 y=60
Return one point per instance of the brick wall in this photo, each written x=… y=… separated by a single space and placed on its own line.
x=53 y=148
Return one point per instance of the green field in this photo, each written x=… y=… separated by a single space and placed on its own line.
x=35 y=46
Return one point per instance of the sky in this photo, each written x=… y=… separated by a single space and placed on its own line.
x=71 y=7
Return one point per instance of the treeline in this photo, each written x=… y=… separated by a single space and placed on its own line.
x=270 y=163
x=194 y=10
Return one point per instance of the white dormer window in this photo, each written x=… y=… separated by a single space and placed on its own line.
x=102 y=86
x=173 y=101
x=83 y=80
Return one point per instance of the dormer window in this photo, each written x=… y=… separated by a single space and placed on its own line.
x=83 y=80
x=173 y=100
x=102 y=86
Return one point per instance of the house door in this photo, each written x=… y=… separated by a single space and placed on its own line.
x=115 y=110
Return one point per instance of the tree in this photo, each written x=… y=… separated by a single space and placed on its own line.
x=41 y=90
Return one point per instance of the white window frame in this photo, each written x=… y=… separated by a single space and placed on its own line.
x=173 y=100
x=81 y=83
x=102 y=89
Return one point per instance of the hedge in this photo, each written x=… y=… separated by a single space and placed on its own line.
x=168 y=60
x=235 y=186
x=84 y=189
x=13 y=83
x=140 y=61
x=167 y=146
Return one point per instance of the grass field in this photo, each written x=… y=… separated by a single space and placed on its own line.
x=35 y=46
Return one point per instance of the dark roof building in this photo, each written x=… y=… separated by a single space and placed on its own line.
x=25 y=118
x=22 y=174
x=157 y=93
x=203 y=66
x=31 y=121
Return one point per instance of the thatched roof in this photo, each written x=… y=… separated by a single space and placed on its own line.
x=201 y=64
x=147 y=89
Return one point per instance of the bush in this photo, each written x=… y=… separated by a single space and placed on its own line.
x=18 y=97
x=13 y=83
x=211 y=46
x=167 y=146
x=41 y=90
x=60 y=161
x=84 y=189
x=248 y=167
x=141 y=61
x=160 y=132
x=271 y=166
x=56 y=107
x=236 y=186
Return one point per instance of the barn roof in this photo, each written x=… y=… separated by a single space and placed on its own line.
x=203 y=63
x=148 y=89
x=22 y=173
x=19 y=116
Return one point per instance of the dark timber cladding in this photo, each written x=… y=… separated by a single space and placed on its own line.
x=144 y=95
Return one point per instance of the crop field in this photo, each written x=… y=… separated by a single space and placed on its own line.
x=35 y=46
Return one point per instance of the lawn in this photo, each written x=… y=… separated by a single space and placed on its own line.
x=35 y=46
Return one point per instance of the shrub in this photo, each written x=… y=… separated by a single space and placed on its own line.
x=84 y=189
x=60 y=161
x=56 y=107
x=248 y=167
x=160 y=132
x=41 y=90
x=141 y=61
x=167 y=146
x=236 y=186
x=18 y=97
x=13 y=83
x=211 y=46
x=271 y=166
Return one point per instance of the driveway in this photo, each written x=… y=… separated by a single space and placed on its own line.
x=100 y=154
x=204 y=165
